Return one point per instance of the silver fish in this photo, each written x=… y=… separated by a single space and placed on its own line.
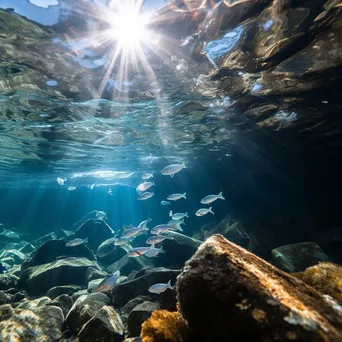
x=144 y=186
x=178 y=216
x=143 y=224
x=61 y=181
x=138 y=251
x=145 y=196
x=176 y=224
x=202 y=212
x=76 y=242
x=161 y=228
x=152 y=251
x=128 y=233
x=211 y=198
x=156 y=239
x=121 y=241
x=71 y=188
x=147 y=175
x=175 y=197
x=108 y=283
x=159 y=288
x=165 y=203
x=110 y=192
x=171 y=170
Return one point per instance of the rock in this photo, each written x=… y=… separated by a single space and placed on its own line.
x=50 y=250
x=84 y=309
x=40 y=279
x=123 y=292
x=138 y=316
x=127 y=265
x=298 y=257
x=96 y=232
x=133 y=339
x=107 y=252
x=224 y=283
x=106 y=325
x=5 y=298
x=93 y=284
x=326 y=278
x=94 y=273
x=78 y=294
x=45 y=238
x=8 y=262
x=16 y=270
x=6 y=311
x=125 y=311
x=64 y=302
x=65 y=289
x=39 y=323
x=8 y=281
x=38 y=302
x=17 y=256
x=27 y=248
x=19 y=296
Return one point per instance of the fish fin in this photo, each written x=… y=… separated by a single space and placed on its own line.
x=169 y=286
x=170 y=213
x=172 y=175
x=186 y=215
x=220 y=196
x=86 y=239
x=179 y=227
x=183 y=165
x=117 y=273
x=210 y=211
x=161 y=250
x=184 y=195
x=152 y=246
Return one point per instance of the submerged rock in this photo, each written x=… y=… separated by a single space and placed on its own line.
x=299 y=256
x=51 y=250
x=17 y=256
x=64 y=289
x=94 y=273
x=34 y=324
x=106 y=325
x=8 y=281
x=127 y=265
x=40 y=279
x=138 y=316
x=225 y=291
x=84 y=309
x=108 y=253
x=64 y=302
x=123 y=292
x=5 y=298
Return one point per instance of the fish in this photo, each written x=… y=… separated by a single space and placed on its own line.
x=165 y=203
x=76 y=242
x=176 y=224
x=93 y=186
x=71 y=188
x=156 y=239
x=110 y=192
x=61 y=181
x=137 y=251
x=161 y=228
x=204 y=211
x=145 y=196
x=132 y=232
x=108 y=283
x=152 y=251
x=147 y=175
x=178 y=216
x=144 y=186
x=143 y=224
x=175 y=197
x=10 y=234
x=160 y=287
x=121 y=241
x=171 y=170
x=211 y=198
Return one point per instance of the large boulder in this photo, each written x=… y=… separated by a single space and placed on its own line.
x=5 y=298
x=94 y=273
x=106 y=325
x=96 y=232
x=298 y=257
x=138 y=316
x=8 y=281
x=64 y=289
x=226 y=292
x=17 y=256
x=34 y=324
x=51 y=250
x=108 y=253
x=84 y=309
x=40 y=279
x=123 y=292
x=64 y=302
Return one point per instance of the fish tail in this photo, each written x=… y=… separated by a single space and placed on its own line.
x=169 y=286
x=170 y=213
x=184 y=195
x=210 y=211
x=220 y=196
x=183 y=165
x=186 y=215
x=86 y=239
x=161 y=250
x=179 y=227
x=172 y=174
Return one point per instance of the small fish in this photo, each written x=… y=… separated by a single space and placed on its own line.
x=152 y=251
x=144 y=186
x=211 y=198
x=156 y=239
x=202 y=212
x=175 y=197
x=147 y=175
x=61 y=181
x=121 y=241
x=161 y=228
x=76 y=242
x=138 y=251
x=159 y=288
x=145 y=196
x=108 y=283
x=176 y=224
x=71 y=188
x=178 y=216
x=143 y=224
x=171 y=170
x=110 y=192
x=92 y=186
x=165 y=203
x=132 y=232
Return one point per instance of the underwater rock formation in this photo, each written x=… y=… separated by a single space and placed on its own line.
x=298 y=256
x=64 y=289
x=126 y=265
x=64 y=302
x=325 y=277
x=108 y=253
x=226 y=291
x=8 y=281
